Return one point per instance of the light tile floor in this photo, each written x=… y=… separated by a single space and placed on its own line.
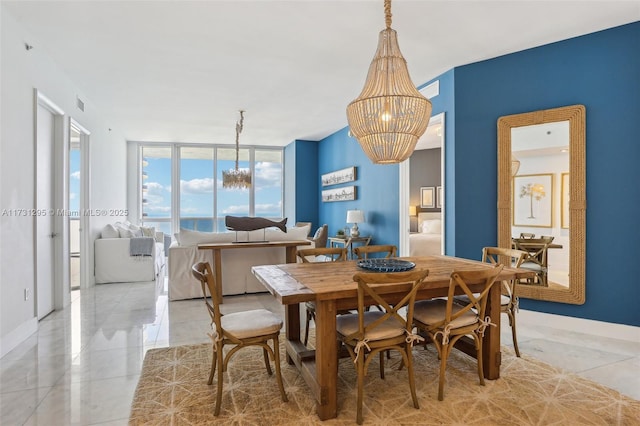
x=82 y=366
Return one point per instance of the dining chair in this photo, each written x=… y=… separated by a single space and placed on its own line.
x=363 y=252
x=446 y=321
x=368 y=333
x=527 y=235
x=536 y=258
x=313 y=255
x=240 y=329
x=508 y=299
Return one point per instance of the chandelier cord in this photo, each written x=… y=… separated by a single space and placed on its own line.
x=387 y=13
x=239 y=126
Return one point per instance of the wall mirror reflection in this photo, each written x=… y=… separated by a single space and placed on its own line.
x=541 y=199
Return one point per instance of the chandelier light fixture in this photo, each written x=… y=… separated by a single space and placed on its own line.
x=237 y=178
x=390 y=114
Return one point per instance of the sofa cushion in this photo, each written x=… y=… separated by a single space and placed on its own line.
x=110 y=231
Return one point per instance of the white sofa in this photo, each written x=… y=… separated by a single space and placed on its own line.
x=113 y=262
x=236 y=264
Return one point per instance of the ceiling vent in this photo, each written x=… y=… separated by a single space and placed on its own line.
x=80 y=104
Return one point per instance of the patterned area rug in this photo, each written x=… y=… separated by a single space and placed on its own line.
x=173 y=391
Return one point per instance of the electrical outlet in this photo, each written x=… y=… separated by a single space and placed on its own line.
x=26 y=294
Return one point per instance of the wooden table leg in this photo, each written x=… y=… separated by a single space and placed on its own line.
x=491 y=355
x=292 y=325
x=217 y=261
x=291 y=254
x=326 y=359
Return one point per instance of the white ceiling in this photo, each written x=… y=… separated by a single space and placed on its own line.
x=180 y=70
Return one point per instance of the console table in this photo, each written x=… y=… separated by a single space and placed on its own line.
x=348 y=243
x=291 y=248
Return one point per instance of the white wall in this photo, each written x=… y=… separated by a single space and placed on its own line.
x=21 y=71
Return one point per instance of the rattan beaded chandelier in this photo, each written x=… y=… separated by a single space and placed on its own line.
x=237 y=178
x=390 y=114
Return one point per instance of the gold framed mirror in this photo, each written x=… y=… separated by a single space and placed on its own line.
x=542 y=194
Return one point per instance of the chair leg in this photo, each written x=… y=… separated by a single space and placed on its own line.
x=512 y=320
x=479 y=357
x=360 y=367
x=266 y=361
x=220 y=379
x=213 y=367
x=443 y=366
x=382 y=364
x=310 y=317
x=412 y=381
x=276 y=355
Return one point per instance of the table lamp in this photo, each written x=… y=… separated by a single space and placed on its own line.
x=355 y=217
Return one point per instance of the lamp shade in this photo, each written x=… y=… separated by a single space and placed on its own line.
x=355 y=216
x=413 y=211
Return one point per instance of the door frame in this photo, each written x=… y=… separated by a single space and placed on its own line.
x=61 y=298
x=85 y=201
x=404 y=187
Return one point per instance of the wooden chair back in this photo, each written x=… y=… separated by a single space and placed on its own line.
x=371 y=290
x=203 y=273
x=329 y=254
x=476 y=299
x=527 y=235
x=508 y=257
x=363 y=252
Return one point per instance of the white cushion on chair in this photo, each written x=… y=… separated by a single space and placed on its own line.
x=348 y=324
x=433 y=311
x=258 y=322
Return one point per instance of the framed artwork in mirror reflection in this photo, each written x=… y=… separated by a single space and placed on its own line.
x=532 y=197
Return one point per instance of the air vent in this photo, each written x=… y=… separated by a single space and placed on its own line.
x=431 y=90
x=80 y=104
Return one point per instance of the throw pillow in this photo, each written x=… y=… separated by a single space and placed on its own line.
x=148 y=231
x=110 y=231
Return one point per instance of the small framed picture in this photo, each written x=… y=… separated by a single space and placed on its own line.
x=427 y=197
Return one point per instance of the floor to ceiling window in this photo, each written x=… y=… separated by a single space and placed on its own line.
x=181 y=185
x=155 y=187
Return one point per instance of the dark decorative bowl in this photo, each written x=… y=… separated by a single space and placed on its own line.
x=386 y=265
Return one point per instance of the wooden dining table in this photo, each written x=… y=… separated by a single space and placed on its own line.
x=330 y=285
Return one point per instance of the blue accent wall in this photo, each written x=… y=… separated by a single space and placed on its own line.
x=602 y=72
x=377 y=190
x=301 y=183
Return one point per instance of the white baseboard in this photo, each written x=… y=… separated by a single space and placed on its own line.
x=581 y=325
x=17 y=336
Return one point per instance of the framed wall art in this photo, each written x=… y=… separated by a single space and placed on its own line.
x=427 y=197
x=532 y=198
x=439 y=197
x=345 y=193
x=339 y=176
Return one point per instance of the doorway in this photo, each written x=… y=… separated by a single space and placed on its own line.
x=49 y=135
x=78 y=201
x=413 y=209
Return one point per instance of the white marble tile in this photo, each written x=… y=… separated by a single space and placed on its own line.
x=86 y=403
x=623 y=376
x=96 y=365
x=32 y=372
x=16 y=407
